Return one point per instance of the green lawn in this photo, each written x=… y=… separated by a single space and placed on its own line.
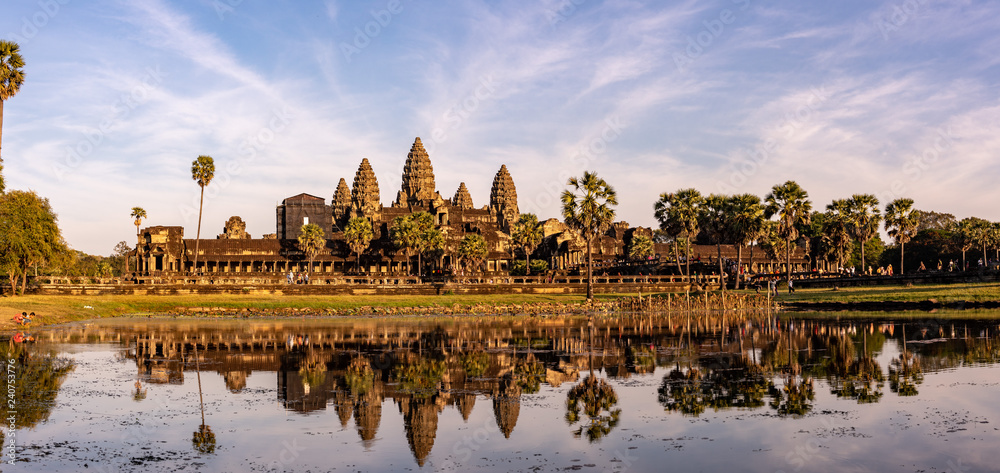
x=939 y=292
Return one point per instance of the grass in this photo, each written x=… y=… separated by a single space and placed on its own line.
x=58 y=309
x=943 y=293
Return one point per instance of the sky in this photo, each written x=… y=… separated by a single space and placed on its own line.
x=891 y=98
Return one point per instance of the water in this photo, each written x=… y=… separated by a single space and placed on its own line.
x=487 y=394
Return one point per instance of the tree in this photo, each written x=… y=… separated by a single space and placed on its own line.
x=120 y=254
x=30 y=235
x=640 y=248
x=588 y=207
x=311 y=241
x=11 y=78
x=527 y=234
x=865 y=217
x=678 y=215
x=358 y=235
x=715 y=220
x=138 y=213
x=432 y=243
x=837 y=228
x=901 y=221
x=964 y=235
x=410 y=234
x=202 y=171
x=472 y=250
x=746 y=220
x=790 y=203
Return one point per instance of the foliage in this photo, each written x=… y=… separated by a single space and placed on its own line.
x=474 y=363
x=472 y=251
x=790 y=203
x=311 y=241
x=640 y=248
x=520 y=267
x=421 y=378
x=360 y=378
x=31 y=236
x=415 y=234
x=930 y=220
x=313 y=372
x=203 y=440
x=588 y=207
x=677 y=214
x=202 y=172
x=527 y=234
x=11 y=79
x=39 y=377
x=529 y=375
x=864 y=217
x=358 y=235
x=837 y=230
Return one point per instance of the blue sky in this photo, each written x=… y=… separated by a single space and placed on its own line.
x=897 y=99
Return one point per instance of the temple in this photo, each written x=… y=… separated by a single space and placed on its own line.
x=163 y=250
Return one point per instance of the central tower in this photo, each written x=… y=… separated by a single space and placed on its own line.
x=418 y=178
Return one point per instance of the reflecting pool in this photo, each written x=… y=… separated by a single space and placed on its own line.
x=630 y=393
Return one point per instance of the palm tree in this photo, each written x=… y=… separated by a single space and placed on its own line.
x=837 y=227
x=587 y=207
x=202 y=171
x=964 y=235
x=791 y=204
x=138 y=213
x=358 y=235
x=311 y=241
x=472 y=250
x=527 y=234
x=640 y=247
x=203 y=439
x=678 y=215
x=901 y=224
x=746 y=220
x=865 y=217
x=715 y=221
x=11 y=78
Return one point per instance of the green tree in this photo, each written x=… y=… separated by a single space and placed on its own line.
x=358 y=235
x=837 y=229
x=527 y=235
x=472 y=250
x=30 y=235
x=901 y=224
x=790 y=203
x=746 y=221
x=138 y=213
x=11 y=78
x=772 y=242
x=432 y=243
x=410 y=233
x=865 y=217
x=588 y=206
x=677 y=214
x=120 y=255
x=714 y=216
x=312 y=239
x=640 y=248
x=202 y=171
x=964 y=234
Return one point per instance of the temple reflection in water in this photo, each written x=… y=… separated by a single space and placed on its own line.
x=426 y=366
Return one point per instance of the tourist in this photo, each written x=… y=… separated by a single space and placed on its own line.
x=922 y=268
x=289 y=278
x=791 y=288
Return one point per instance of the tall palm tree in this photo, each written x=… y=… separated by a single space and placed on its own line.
x=746 y=218
x=358 y=235
x=202 y=171
x=138 y=213
x=11 y=78
x=791 y=204
x=865 y=219
x=715 y=220
x=678 y=214
x=837 y=228
x=901 y=223
x=311 y=240
x=964 y=233
x=527 y=234
x=203 y=439
x=472 y=250
x=588 y=207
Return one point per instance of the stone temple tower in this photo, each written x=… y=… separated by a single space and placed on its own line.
x=418 y=178
x=503 y=200
x=341 y=205
x=364 y=194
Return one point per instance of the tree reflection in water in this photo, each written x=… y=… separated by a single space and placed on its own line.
x=39 y=375
x=597 y=399
x=727 y=382
x=203 y=439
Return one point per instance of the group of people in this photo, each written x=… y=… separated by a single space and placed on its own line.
x=297 y=278
x=23 y=318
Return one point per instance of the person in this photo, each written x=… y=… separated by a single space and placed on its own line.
x=289 y=278
x=791 y=288
x=940 y=265
x=306 y=278
x=922 y=268
x=889 y=270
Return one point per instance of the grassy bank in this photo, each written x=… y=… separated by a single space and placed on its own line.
x=943 y=293
x=58 y=309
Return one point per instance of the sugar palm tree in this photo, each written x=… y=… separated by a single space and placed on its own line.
x=837 y=228
x=203 y=439
x=901 y=224
x=202 y=171
x=138 y=213
x=472 y=250
x=358 y=235
x=678 y=215
x=865 y=219
x=527 y=234
x=311 y=241
x=746 y=220
x=11 y=78
x=964 y=234
x=790 y=203
x=588 y=207
x=715 y=220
